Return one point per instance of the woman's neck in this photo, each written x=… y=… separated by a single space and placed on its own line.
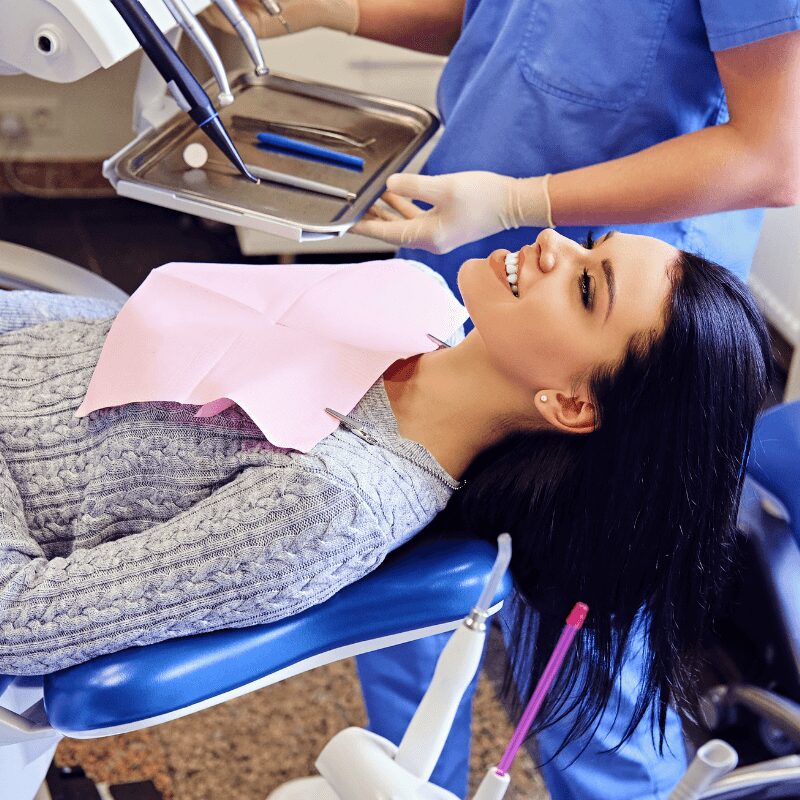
x=455 y=403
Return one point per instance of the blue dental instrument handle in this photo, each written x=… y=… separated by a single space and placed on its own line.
x=183 y=85
x=304 y=148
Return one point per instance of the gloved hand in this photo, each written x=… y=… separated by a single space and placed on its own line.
x=467 y=206
x=300 y=15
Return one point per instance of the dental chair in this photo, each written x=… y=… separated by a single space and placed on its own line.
x=753 y=700
x=145 y=686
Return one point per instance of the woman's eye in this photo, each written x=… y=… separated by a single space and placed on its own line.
x=586 y=286
x=589 y=243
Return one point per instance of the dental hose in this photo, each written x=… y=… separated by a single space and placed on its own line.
x=499 y=568
x=429 y=728
x=713 y=760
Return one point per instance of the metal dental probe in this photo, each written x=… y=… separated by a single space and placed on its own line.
x=195 y=31
x=246 y=33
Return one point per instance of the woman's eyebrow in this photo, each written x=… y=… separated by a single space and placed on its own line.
x=611 y=283
x=607 y=237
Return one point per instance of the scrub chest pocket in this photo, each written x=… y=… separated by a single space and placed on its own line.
x=600 y=54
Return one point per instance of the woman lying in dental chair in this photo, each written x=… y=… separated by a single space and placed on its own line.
x=600 y=411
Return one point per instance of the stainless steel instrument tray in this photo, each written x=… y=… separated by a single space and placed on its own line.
x=385 y=133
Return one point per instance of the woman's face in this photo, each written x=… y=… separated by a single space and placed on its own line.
x=577 y=307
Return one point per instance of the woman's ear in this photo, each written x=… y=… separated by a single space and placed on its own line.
x=566 y=412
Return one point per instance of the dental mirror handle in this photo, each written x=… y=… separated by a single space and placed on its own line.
x=181 y=82
x=246 y=33
x=195 y=31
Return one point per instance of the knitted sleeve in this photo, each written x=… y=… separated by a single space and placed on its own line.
x=20 y=309
x=266 y=545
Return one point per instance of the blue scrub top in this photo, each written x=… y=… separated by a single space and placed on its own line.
x=537 y=86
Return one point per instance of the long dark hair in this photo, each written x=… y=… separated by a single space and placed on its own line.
x=636 y=518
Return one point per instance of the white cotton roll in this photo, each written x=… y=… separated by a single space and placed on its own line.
x=195 y=155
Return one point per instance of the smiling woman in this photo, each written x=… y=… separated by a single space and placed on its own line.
x=619 y=464
x=599 y=433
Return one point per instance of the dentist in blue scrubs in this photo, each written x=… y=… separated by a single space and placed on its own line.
x=674 y=118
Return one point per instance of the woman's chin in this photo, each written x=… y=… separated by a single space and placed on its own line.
x=468 y=281
x=470 y=276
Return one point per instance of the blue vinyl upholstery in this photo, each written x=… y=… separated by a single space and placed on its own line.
x=775 y=458
x=425 y=583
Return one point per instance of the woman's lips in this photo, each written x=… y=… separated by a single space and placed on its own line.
x=497 y=261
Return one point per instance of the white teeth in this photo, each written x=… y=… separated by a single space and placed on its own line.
x=512 y=262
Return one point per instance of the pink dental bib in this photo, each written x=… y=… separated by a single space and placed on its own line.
x=284 y=342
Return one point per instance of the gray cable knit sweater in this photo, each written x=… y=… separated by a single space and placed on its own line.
x=142 y=523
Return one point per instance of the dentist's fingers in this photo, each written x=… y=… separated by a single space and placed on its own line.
x=428 y=188
x=264 y=24
x=382 y=211
x=300 y=15
x=401 y=205
x=379 y=210
x=398 y=232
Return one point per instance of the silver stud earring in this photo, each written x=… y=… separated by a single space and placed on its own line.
x=543 y=398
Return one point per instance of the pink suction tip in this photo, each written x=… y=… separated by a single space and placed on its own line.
x=578 y=615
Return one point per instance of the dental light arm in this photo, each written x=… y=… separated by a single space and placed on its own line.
x=65 y=40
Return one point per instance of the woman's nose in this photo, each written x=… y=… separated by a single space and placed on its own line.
x=551 y=248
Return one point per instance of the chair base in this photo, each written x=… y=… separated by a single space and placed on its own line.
x=24 y=765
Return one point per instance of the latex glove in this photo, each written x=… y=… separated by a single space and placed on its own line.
x=467 y=206
x=300 y=15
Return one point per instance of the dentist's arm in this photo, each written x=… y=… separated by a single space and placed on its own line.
x=431 y=26
x=752 y=161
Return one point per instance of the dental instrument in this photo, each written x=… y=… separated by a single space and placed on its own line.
x=353 y=425
x=574 y=623
x=182 y=84
x=275 y=10
x=359 y=765
x=438 y=342
x=246 y=33
x=195 y=31
x=424 y=739
x=65 y=40
x=292 y=146
x=713 y=760
x=301 y=183
x=254 y=125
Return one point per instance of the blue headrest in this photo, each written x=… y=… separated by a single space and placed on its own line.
x=775 y=457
